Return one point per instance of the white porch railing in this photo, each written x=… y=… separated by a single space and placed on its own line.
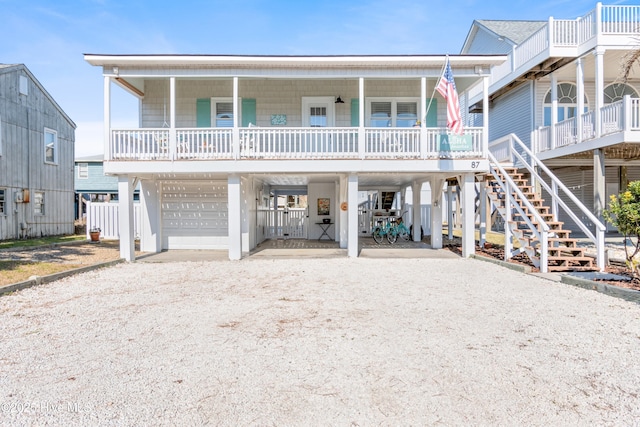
x=620 y=19
x=284 y=223
x=610 y=20
x=619 y=116
x=292 y=143
x=105 y=217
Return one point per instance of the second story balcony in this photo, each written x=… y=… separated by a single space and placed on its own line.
x=244 y=114
x=616 y=123
x=293 y=143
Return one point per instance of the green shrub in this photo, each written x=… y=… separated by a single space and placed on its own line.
x=624 y=213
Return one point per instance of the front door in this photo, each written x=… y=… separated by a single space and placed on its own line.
x=317 y=112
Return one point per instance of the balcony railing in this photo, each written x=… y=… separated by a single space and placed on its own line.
x=609 y=20
x=620 y=116
x=293 y=143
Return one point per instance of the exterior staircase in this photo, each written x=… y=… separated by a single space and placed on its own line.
x=563 y=253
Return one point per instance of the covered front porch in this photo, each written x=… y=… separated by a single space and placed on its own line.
x=233 y=213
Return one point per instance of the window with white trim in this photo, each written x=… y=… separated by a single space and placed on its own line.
x=615 y=92
x=222 y=112
x=50 y=146
x=38 y=202
x=3 y=198
x=567 y=103
x=392 y=112
x=83 y=170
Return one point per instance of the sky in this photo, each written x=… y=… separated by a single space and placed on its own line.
x=51 y=37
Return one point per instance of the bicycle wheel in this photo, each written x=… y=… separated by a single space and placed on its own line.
x=404 y=233
x=377 y=235
x=392 y=235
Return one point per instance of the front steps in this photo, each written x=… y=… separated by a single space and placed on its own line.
x=563 y=253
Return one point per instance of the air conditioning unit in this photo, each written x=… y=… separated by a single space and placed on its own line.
x=18 y=197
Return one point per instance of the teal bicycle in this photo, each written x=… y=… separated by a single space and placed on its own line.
x=383 y=229
x=399 y=229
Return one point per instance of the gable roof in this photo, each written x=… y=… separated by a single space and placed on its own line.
x=516 y=31
x=508 y=32
x=8 y=68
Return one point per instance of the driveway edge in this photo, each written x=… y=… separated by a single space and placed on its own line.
x=39 y=280
x=602 y=287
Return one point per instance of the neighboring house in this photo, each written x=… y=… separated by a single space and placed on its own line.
x=92 y=185
x=220 y=136
x=36 y=158
x=560 y=93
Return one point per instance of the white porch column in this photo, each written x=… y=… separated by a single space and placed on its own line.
x=580 y=98
x=483 y=212
x=599 y=184
x=449 y=211
x=235 y=217
x=107 y=118
x=150 y=224
x=468 y=215
x=352 y=212
x=172 y=118
x=436 y=212
x=361 y=133
x=236 y=124
x=554 y=108
x=423 y=122
x=343 y=223
x=599 y=76
x=125 y=217
x=416 y=214
x=485 y=115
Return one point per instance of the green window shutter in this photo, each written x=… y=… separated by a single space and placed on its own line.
x=248 y=111
x=355 y=112
x=431 y=120
x=203 y=113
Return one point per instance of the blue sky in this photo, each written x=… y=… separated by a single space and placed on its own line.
x=50 y=37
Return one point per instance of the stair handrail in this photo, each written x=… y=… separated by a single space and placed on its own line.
x=543 y=234
x=598 y=239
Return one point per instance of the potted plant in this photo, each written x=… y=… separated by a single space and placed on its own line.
x=94 y=233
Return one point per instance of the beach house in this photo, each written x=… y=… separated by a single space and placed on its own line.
x=221 y=136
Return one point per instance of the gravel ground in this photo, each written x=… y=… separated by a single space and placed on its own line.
x=317 y=342
x=80 y=253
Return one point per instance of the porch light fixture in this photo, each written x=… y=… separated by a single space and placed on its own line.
x=339 y=100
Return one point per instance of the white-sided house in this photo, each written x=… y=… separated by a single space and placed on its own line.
x=36 y=159
x=560 y=93
x=220 y=136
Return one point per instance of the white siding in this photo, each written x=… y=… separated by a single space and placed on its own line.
x=484 y=43
x=195 y=215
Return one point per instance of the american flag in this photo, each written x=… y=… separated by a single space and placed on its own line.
x=447 y=88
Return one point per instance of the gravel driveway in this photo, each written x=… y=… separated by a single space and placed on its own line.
x=317 y=342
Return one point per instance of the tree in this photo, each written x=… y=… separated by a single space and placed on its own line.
x=624 y=213
x=628 y=61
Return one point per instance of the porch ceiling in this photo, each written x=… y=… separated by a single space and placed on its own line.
x=625 y=152
x=364 y=180
x=372 y=180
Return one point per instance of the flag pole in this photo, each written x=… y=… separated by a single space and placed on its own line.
x=434 y=90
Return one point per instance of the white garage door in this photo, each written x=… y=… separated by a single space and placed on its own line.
x=195 y=215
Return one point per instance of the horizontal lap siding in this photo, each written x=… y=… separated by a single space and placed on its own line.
x=512 y=113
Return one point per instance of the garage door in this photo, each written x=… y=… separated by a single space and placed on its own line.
x=195 y=215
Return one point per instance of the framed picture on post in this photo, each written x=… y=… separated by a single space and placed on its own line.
x=324 y=206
